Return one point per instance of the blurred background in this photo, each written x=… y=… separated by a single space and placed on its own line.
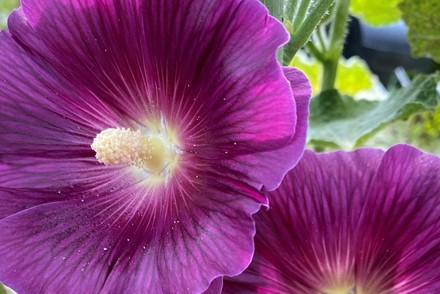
x=387 y=54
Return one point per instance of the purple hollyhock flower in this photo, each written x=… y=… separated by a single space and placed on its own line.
x=366 y=221
x=136 y=137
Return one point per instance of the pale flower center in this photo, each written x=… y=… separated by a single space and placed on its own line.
x=153 y=152
x=343 y=289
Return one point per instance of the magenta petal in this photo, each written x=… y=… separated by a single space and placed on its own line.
x=38 y=245
x=407 y=245
x=12 y=202
x=36 y=117
x=86 y=236
x=215 y=287
x=121 y=243
x=278 y=162
x=363 y=221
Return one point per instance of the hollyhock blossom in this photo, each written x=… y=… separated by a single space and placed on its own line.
x=366 y=222
x=136 y=137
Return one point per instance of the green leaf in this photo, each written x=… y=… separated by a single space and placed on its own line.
x=339 y=120
x=376 y=12
x=421 y=130
x=423 y=20
x=353 y=76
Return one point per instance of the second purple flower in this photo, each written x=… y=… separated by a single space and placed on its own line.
x=365 y=222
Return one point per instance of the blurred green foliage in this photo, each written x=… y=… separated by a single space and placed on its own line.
x=421 y=130
x=423 y=20
x=431 y=123
x=5 y=8
x=353 y=75
x=376 y=12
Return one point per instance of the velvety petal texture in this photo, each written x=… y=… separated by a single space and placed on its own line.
x=365 y=221
x=282 y=160
x=205 y=74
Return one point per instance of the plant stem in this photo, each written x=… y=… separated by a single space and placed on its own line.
x=302 y=35
x=315 y=52
x=300 y=13
x=337 y=38
x=322 y=37
x=330 y=68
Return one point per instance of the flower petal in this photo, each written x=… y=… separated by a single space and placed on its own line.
x=215 y=287
x=364 y=220
x=402 y=244
x=46 y=134
x=310 y=213
x=35 y=117
x=120 y=241
x=270 y=167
